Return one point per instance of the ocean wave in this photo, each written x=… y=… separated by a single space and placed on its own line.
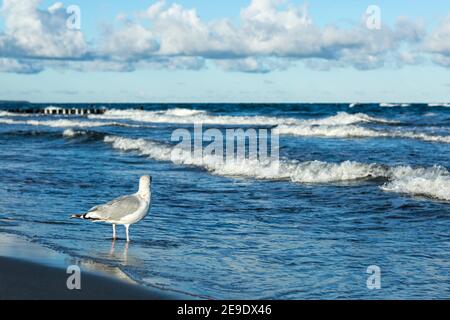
x=188 y=116
x=446 y=105
x=10 y=121
x=349 y=131
x=52 y=134
x=389 y=105
x=306 y=172
x=344 y=118
x=6 y=114
x=431 y=182
x=352 y=131
x=394 y=105
x=30 y=133
x=64 y=123
x=15 y=114
x=203 y=118
x=340 y=125
x=70 y=133
x=182 y=112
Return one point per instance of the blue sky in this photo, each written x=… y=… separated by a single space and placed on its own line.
x=246 y=74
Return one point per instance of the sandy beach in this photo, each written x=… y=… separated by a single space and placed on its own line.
x=32 y=272
x=26 y=280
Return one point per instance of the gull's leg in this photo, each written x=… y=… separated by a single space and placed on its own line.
x=114 y=232
x=126 y=228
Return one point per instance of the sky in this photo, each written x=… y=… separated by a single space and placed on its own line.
x=225 y=51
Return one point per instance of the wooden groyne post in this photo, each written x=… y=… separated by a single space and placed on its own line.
x=53 y=110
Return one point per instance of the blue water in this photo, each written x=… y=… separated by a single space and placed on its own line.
x=243 y=236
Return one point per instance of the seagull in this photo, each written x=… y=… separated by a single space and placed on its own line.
x=125 y=210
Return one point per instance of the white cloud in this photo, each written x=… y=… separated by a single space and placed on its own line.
x=254 y=65
x=271 y=35
x=17 y=66
x=438 y=43
x=30 y=32
x=131 y=42
x=268 y=30
x=180 y=31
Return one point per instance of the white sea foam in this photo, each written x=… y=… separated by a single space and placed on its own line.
x=432 y=182
x=392 y=105
x=182 y=112
x=15 y=114
x=349 y=131
x=203 y=118
x=420 y=136
x=12 y=114
x=188 y=116
x=447 y=105
x=340 y=125
x=10 y=121
x=65 y=123
x=389 y=105
x=290 y=170
x=344 y=118
x=70 y=133
x=352 y=131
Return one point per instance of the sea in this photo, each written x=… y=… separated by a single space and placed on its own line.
x=356 y=204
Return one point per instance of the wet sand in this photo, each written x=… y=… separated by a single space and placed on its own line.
x=32 y=272
x=21 y=279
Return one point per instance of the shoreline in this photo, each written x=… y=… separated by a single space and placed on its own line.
x=23 y=280
x=29 y=271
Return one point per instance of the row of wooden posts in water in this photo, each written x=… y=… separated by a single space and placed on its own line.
x=53 y=110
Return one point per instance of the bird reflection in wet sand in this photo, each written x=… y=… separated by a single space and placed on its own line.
x=124 y=256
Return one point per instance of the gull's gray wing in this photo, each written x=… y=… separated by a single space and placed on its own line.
x=115 y=209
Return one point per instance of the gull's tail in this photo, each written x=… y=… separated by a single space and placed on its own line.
x=83 y=217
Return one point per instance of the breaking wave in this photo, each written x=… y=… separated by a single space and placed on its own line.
x=70 y=133
x=446 y=105
x=306 y=172
x=23 y=115
x=64 y=123
x=431 y=182
x=13 y=114
x=341 y=125
x=393 y=105
x=188 y=116
x=352 y=131
x=182 y=112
